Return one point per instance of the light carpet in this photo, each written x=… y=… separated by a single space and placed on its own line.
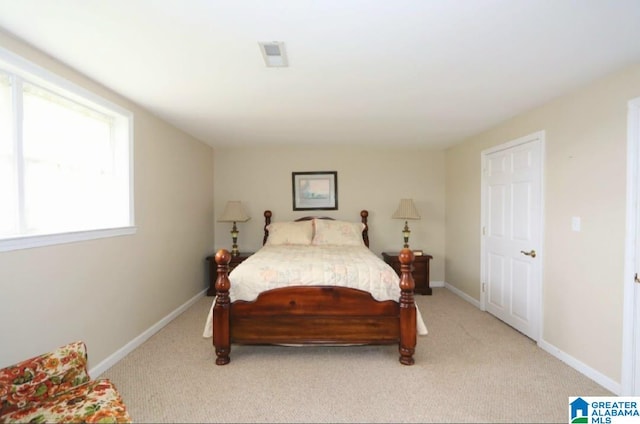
x=471 y=367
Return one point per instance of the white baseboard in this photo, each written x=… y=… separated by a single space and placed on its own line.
x=436 y=284
x=463 y=295
x=579 y=366
x=129 y=347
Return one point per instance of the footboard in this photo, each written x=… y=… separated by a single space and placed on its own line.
x=314 y=315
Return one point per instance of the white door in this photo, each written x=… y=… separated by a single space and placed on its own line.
x=635 y=324
x=635 y=391
x=511 y=233
x=631 y=308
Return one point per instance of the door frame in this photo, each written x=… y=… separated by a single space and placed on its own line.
x=536 y=136
x=630 y=322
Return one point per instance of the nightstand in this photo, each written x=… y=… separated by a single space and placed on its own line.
x=420 y=269
x=213 y=269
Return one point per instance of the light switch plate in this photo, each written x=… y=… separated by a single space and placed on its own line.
x=575 y=223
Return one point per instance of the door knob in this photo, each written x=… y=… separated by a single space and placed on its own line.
x=532 y=253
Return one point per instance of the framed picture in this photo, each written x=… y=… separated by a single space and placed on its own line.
x=315 y=190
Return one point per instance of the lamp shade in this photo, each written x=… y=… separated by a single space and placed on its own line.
x=406 y=210
x=234 y=212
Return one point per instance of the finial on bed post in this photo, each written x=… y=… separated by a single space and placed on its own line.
x=407 y=308
x=221 y=333
x=267 y=221
x=365 y=233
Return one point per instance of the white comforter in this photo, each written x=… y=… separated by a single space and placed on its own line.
x=277 y=266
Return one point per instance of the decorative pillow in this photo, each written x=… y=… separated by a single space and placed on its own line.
x=339 y=233
x=36 y=379
x=280 y=233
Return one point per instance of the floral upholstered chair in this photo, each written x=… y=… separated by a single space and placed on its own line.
x=55 y=387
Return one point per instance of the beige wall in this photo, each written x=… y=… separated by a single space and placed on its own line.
x=585 y=175
x=368 y=178
x=109 y=291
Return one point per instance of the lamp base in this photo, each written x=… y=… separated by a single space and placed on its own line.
x=405 y=233
x=234 y=237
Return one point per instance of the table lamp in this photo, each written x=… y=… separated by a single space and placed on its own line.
x=406 y=210
x=234 y=212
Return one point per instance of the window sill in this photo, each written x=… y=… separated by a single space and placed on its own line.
x=27 y=242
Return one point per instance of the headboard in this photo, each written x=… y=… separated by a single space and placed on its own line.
x=364 y=214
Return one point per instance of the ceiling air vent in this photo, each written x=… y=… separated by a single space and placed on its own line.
x=273 y=53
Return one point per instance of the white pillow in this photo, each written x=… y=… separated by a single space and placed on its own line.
x=337 y=233
x=281 y=233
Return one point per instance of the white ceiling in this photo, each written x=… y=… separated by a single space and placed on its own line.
x=392 y=72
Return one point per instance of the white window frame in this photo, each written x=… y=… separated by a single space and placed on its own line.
x=33 y=73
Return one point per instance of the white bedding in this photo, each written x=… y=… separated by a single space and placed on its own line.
x=303 y=265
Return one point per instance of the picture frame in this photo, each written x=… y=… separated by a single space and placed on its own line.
x=315 y=190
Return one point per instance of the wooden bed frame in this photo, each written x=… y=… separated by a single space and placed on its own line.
x=314 y=314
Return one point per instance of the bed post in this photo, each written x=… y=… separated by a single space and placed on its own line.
x=365 y=233
x=267 y=221
x=407 y=308
x=221 y=334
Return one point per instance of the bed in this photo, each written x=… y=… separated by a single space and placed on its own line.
x=314 y=282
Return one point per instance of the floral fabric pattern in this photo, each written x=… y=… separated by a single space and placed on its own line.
x=55 y=387
x=337 y=233
x=348 y=266
x=95 y=402
x=43 y=377
x=290 y=233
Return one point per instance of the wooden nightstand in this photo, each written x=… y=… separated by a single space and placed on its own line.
x=213 y=269
x=420 y=270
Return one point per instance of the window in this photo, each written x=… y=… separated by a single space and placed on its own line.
x=65 y=160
